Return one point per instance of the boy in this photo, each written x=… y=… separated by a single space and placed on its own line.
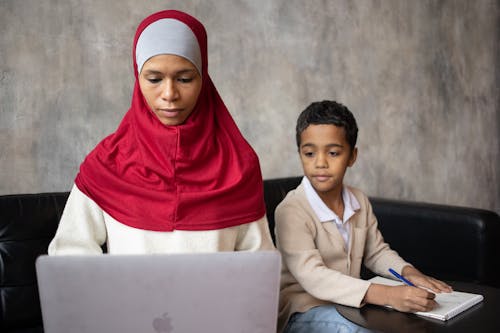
x=325 y=230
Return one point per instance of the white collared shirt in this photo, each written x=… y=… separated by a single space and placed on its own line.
x=325 y=214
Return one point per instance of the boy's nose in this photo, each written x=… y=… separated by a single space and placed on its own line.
x=321 y=161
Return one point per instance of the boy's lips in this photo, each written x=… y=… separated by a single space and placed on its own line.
x=321 y=178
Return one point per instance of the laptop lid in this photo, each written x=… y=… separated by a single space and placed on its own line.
x=211 y=292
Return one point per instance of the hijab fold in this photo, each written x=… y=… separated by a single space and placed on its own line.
x=200 y=175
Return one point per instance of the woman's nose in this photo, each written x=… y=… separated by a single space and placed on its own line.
x=169 y=91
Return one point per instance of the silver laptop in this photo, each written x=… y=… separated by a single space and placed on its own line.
x=217 y=292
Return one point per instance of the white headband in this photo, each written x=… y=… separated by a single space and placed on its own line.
x=167 y=36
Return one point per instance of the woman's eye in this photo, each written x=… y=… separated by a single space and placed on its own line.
x=153 y=80
x=184 y=79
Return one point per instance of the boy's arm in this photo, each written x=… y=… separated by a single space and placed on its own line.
x=379 y=257
x=295 y=239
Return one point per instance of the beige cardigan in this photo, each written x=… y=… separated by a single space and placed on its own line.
x=316 y=268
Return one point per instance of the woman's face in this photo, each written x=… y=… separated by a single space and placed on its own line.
x=171 y=85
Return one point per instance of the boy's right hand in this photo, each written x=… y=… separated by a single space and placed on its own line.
x=410 y=299
x=401 y=298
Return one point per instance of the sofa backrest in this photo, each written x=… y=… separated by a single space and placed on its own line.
x=446 y=242
x=27 y=224
x=275 y=191
x=451 y=243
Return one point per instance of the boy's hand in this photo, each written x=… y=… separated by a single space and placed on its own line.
x=401 y=298
x=417 y=278
x=410 y=299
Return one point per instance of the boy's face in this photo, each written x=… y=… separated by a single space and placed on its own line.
x=325 y=155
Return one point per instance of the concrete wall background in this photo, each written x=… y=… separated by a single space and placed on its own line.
x=421 y=77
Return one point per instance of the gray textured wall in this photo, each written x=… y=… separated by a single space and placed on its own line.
x=421 y=77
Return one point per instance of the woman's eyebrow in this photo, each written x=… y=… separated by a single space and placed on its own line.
x=187 y=70
x=157 y=72
x=151 y=71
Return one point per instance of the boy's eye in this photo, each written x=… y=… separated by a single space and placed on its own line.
x=334 y=153
x=308 y=154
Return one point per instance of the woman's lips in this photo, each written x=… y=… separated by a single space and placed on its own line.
x=169 y=113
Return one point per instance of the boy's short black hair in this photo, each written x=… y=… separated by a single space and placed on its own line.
x=328 y=113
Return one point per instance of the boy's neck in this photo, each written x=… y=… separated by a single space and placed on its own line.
x=334 y=201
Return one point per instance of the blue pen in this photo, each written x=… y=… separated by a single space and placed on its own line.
x=393 y=272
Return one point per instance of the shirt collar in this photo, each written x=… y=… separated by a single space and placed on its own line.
x=325 y=214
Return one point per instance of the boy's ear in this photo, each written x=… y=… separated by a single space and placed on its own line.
x=354 y=155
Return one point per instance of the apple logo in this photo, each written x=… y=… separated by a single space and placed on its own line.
x=162 y=324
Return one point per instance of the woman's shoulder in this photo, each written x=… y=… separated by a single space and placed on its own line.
x=78 y=197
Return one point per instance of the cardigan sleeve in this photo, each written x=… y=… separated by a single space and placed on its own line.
x=81 y=229
x=378 y=256
x=295 y=233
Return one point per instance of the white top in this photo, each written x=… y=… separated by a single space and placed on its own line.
x=84 y=227
x=325 y=214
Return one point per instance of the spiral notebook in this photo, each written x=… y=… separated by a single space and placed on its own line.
x=449 y=304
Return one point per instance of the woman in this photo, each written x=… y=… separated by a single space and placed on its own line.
x=177 y=175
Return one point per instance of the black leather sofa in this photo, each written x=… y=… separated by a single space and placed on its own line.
x=451 y=243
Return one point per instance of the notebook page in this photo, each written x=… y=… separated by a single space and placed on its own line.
x=449 y=304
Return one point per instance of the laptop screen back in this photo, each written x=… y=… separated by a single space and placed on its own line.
x=216 y=292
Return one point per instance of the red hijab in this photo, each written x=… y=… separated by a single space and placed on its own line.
x=200 y=175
